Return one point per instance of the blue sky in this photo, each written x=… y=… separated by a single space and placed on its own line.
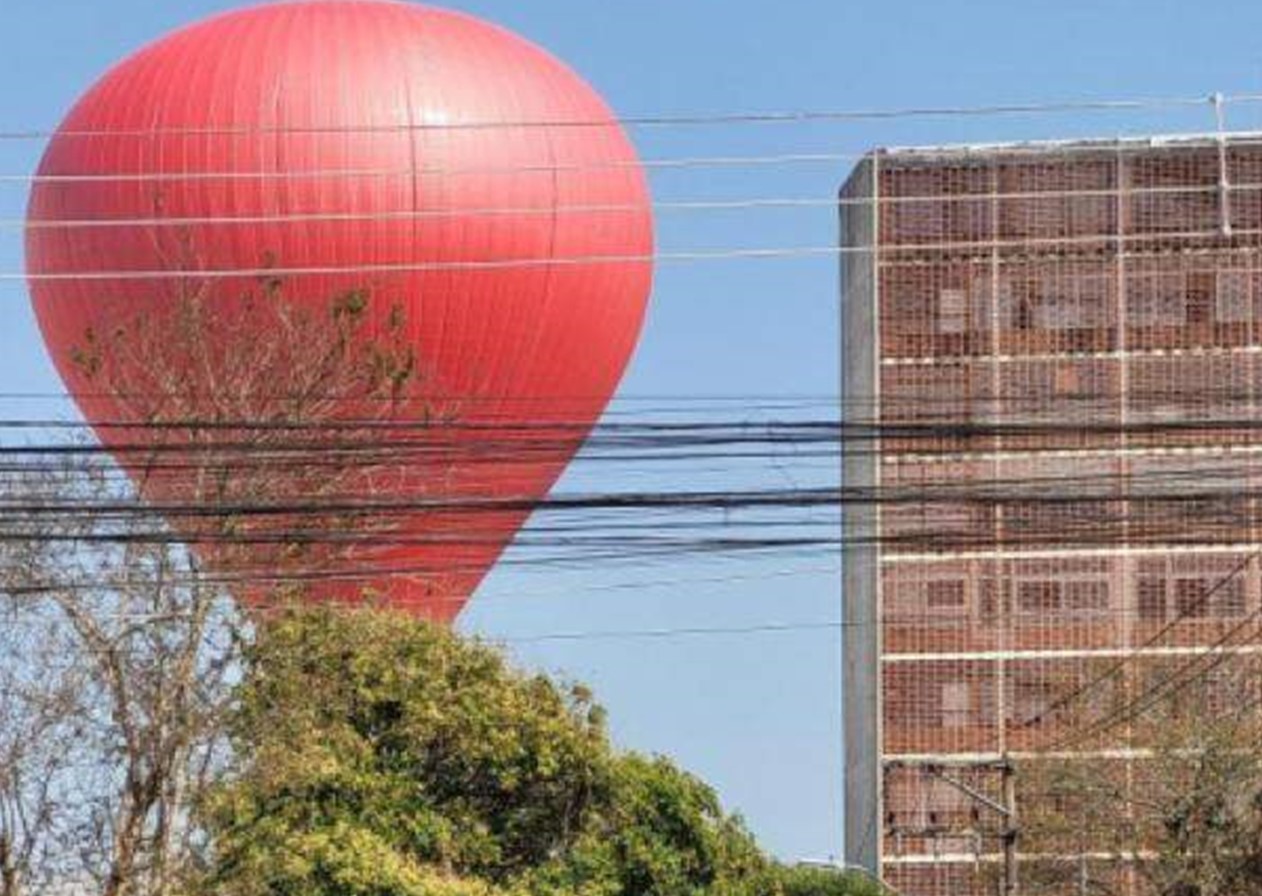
x=758 y=715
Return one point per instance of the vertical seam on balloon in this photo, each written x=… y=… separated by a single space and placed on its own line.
x=420 y=584
x=549 y=271
x=528 y=357
x=151 y=146
x=443 y=280
x=415 y=302
x=278 y=139
x=470 y=347
x=215 y=153
x=368 y=36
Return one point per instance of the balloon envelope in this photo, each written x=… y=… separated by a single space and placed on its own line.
x=429 y=161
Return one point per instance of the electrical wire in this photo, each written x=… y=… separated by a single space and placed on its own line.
x=793 y=117
x=683 y=205
x=906 y=251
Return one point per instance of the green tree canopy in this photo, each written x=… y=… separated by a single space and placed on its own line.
x=383 y=756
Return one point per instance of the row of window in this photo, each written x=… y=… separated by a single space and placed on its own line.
x=971 y=702
x=1157 y=598
x=1041 y=697
x=979 y=520
x=954 y=221
x=1085 y=302
x=916 y=301
x=1071 y=196
x=1168 y=389
x=1035 y=706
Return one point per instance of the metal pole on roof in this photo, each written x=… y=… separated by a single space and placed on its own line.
x=1224 y=182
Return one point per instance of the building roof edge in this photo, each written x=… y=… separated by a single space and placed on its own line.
x=1015 y=147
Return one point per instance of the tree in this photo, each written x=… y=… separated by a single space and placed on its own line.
x=43 y=685
x=121 y=632
x=805 y=880
x=115 y=675
x=1211 y=837
x=382 y=755
x=255 y=426
x=658 y=830
x=1192 y=800
x=431 y=748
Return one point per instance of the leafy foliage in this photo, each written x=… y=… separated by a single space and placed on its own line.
x=384 y=756
x=1194 y=805
x=657 y=830
x=817 y=881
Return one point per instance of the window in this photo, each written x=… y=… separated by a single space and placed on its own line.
x=1229 y=598
x=1017 y=312
x=1063 y=300
x=1088 y=596
x=919 y=219
x=1231 y=300
x=945 y=594
x=1200 y=296
x=1067 y=381
x=1158 y=301
x=980 y=293
x=1191 y=598
x=1094 y=301
x=956 y=703
x=952 y=311
x=1198 y=598
x=1058 y=312
x=1038 y=596
x=1032 y=700
x=1151 y=597
x=988 y=601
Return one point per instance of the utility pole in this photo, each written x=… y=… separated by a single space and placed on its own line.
x=1005 y=807
x=1010 y=832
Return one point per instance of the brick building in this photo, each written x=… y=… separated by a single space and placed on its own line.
x=1052 y=375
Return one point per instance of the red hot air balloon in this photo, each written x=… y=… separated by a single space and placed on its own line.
x=465 y=194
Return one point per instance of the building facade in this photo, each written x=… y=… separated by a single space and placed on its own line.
x=1052 y=382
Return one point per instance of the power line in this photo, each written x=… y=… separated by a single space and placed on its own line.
x=157 y=220
x=222 y=580
x=678 y=632
x=685 y=163
x=908 y=251
x=790 y=117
